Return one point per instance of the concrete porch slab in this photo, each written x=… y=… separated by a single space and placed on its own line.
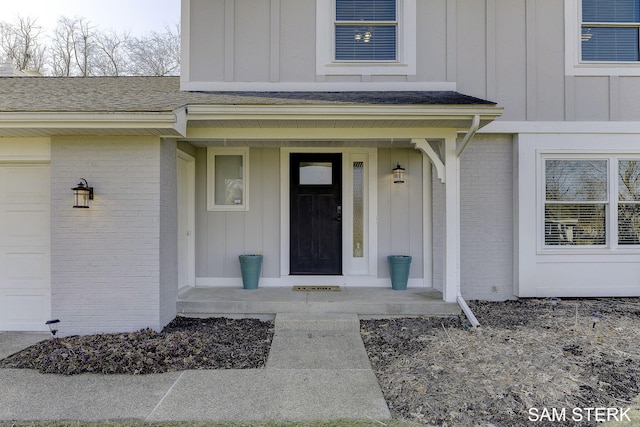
x=366 y=302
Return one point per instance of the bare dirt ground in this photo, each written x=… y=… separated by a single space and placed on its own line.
x=527 y=357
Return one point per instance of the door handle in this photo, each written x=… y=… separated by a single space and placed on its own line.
x=339 y=213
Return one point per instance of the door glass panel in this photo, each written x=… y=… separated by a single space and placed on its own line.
x=358 y=209
x=316 y=173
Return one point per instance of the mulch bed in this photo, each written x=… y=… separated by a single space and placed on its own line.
x=186 y=343
x=528 y=355
x=436 y=371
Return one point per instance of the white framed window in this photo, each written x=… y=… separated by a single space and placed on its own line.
x=591 y=201
x=227 y=179
x=602 y=37
x=365 y=30
x=366 y=37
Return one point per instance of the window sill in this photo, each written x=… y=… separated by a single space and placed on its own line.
x=574 y=252
x=604 y=69
x=227 y=208
x=366 y=68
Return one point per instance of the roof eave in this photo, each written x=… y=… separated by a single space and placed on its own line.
x=99 y=123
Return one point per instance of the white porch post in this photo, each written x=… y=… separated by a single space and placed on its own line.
x=448 y=171
x=451 y=286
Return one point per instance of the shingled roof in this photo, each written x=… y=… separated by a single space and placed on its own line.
x=160 y=94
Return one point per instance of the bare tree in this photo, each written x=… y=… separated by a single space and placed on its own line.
x=20 y=44
x=84 y=47
x=62 y=47
x=112 y=58
x=76 y=48
x=157 y=54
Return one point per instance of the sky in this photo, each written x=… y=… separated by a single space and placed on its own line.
x=137 y=16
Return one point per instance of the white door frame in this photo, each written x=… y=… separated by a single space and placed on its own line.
x=190 y=164
x=350 y=273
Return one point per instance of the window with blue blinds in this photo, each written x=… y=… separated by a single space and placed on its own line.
x=611 y=30
x=366 y=30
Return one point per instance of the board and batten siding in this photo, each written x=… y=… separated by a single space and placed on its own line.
x=513 y=52
x=508 y=51
x=275 y=41
x=222 y=236
x=400 y=224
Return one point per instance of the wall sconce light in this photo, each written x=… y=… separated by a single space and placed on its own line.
x=398 y=174
x=82 y=193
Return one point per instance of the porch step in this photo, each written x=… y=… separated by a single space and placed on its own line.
x=267 y=301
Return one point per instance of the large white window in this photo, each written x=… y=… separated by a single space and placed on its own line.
x=227 y=179
x=591 y=201
x=366 y=37
x=603 y=37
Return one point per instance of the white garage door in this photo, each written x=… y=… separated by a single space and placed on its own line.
x=25 y=261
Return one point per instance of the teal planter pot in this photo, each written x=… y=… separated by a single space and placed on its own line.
x=399 y=268
x=250 y=266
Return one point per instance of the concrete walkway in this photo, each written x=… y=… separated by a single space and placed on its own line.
x=317 y=370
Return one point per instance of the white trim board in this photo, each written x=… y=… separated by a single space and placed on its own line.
x=532 y=127
x=191 y=221
x=317 y=86
x=574 y=66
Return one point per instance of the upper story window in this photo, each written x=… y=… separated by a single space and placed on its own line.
x=610 y=30
x=366 y=30
x=366 y=37
x=602 y=37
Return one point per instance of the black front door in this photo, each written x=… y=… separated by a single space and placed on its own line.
x=316 y=213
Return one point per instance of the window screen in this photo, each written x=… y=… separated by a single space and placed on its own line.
x=610 y=30
x=366 y=30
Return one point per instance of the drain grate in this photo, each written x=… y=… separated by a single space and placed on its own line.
x=317 y=288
